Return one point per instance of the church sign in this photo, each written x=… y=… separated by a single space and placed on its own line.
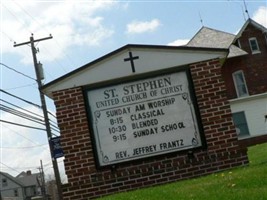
x=145 y=117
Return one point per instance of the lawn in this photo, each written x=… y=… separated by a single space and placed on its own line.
x=242 y=183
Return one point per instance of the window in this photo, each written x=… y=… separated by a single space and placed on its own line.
x=254 y=45
x=240 y=84
x=16 y=194
x=241 y=125
x=4 y=182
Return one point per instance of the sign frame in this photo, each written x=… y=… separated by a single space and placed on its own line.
x=139 y=77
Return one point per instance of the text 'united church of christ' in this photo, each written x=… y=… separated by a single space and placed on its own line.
x=143 y=118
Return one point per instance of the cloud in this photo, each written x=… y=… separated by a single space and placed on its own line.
x=178 y=42
x=137 y=27
x=260 y=16
x=70 y=23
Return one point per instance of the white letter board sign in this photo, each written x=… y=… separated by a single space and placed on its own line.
x=142 y=118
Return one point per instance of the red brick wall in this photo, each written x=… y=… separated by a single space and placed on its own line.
x=254 y=66
x=85 y=181
x=253 y=141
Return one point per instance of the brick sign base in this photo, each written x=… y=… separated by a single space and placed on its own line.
x=85 y=181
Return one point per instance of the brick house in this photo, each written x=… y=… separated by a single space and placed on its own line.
x=244 y=72
x=185 y=84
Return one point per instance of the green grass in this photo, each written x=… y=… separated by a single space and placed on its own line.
x=242 y=183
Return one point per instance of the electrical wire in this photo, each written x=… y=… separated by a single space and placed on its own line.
x=27 y=126
x=38 y=119
x=21 y=108
x=28 y=147
x=22 y=86
x=11 y=40
x=55 y=128
x=13 y=131
x=52 y=115
x=21 y=22
x=30 y=167
x=24 y=100
x=66 y=55
x=22 y=115
x=31 y=103
x=9 y=167
x=27 y=117
x=10 y=68
x=15 y=111
x=22 y=125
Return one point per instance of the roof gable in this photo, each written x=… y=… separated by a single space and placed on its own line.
x=150 y=58
x=253 y=23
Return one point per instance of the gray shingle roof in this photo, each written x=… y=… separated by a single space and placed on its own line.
x=211 y=38
x=207 y=37
x=235 y=51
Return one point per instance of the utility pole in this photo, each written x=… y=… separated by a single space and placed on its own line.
x=43 y=189
x=44 y=107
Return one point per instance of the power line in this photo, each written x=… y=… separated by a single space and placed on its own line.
x=52 y=115
x=21 y=22
x=28 y=147
x=22 y=86
x=21 y=114
x=30 y=167
x=24 y=100
x=38 y=118
x=21 y=108
x=66 y=55
x=25 y=116
x=9 y=167
x=22 y=125
x=11 y=40
x=27 y=126
x=1 y=90
x=17 y=71
x=21 y=135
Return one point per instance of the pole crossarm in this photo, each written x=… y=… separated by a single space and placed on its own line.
x=29 y=42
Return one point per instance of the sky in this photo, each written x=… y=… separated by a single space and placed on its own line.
x=82 y=32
